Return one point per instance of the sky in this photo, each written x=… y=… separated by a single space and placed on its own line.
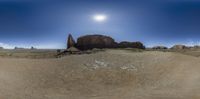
x=47 y=23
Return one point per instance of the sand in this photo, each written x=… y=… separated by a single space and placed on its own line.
x=112 y=74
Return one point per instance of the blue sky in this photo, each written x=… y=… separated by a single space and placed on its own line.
x=46 y=23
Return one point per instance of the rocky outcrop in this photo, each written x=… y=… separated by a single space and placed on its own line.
x=73 y=49
x=179 y=47
x=100 y=41
x=159 y=47
x=33 y=48
x=126 y=44
x=95 y=41
x=70 y=41
x=197 y=47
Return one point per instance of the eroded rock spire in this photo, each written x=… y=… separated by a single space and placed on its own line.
x=70 y=41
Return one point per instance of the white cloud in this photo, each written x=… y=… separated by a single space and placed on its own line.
x=7 y=46
x=39 y=46
x=192 y=43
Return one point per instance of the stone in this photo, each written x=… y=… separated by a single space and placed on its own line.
x=126 y=44
x=95 y=41
x=179 y=47
x=73 y=49
x=70 y=41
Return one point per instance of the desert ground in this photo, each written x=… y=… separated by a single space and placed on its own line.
x=28 y=53
x=109 y=74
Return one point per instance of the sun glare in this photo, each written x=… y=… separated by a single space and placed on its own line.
x=99 y=18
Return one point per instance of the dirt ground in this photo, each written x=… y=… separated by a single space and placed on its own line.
x=112 y=74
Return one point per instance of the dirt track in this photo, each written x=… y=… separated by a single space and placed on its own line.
x=113 y=74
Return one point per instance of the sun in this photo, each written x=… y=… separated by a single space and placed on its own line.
x=99 y=17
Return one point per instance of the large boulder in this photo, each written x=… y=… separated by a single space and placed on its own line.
x=126 y=44
x=70 y=41
x=73 y=49
x=95 y=41
x=196 y=47
x=179 y=47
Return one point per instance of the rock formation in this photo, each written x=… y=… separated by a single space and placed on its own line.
x=95 y=41
x=70 y=41
x=33 y=48
x=179 y=47
x=100 y=41
x=196 y=47
x=126 y=44
x=72 y=49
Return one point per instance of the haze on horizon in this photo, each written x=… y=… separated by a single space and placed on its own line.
x=46 y=23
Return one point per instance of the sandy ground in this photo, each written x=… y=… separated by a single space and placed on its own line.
x=113 y=74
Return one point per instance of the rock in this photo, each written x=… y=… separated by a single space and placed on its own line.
x=95 y=41
x=70 y=41
x=33 y=48
x=126 y=44
x=179 y=47
x=159 y=47
x=58 y=51
x=73 y=49
x=19 y=48
x=196 y=47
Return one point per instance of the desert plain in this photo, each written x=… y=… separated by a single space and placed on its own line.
x=107 y=74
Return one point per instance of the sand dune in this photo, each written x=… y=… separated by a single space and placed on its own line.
x=113 y=74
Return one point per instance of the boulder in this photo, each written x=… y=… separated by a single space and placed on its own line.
x=159 y=47
x=33 y=48
x=72 y=49
x=126 y=44
x=70 y=41
x=196 y=47
x=95 y=41
x=58 y=51
x=179 y=47
x=19 y=48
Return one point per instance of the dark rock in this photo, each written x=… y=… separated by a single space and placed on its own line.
x=33 y=48
x=196 y=47
x=19 y=48
x=179 y=47
x=70 y=41
x=95 y=41
x=73 y=49
x=58 y=50
x=126 y=44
